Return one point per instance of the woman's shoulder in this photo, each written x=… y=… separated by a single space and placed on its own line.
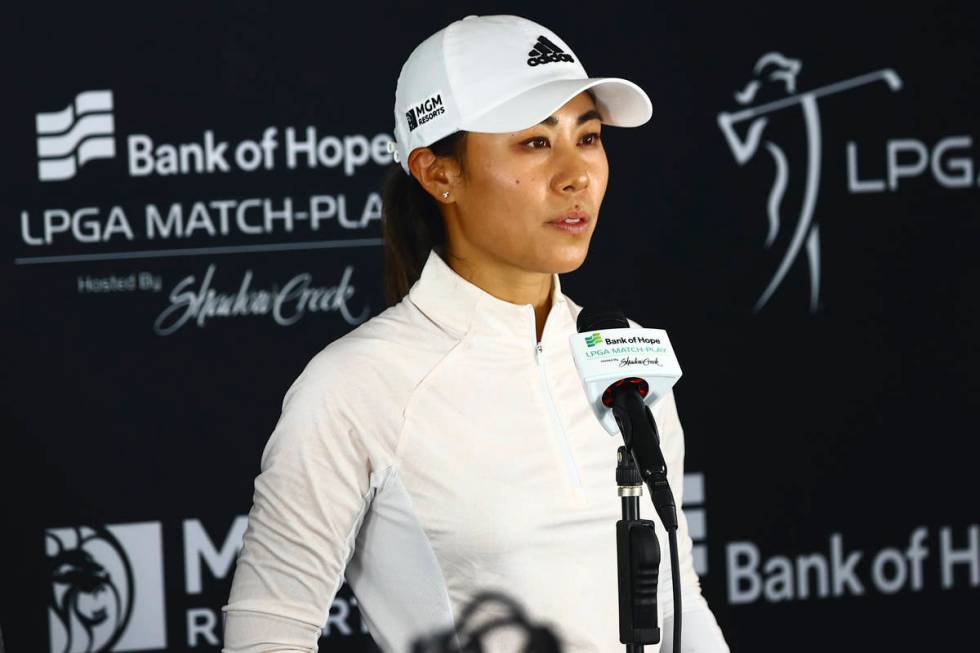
x=362 y=381
x=387 y=352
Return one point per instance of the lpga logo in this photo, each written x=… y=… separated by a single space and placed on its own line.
x=775 y=69
x=67 y=139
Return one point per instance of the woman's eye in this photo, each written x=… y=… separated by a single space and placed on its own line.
x=538 y=142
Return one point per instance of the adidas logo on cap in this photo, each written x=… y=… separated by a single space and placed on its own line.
x=544 y=51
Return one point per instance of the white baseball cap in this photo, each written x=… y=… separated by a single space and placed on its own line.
x=498 y=74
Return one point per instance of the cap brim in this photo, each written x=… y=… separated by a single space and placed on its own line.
x=621 y=103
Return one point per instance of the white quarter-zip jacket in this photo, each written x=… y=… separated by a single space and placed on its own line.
x=436 y=450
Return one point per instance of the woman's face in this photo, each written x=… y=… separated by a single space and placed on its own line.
x=515 y=184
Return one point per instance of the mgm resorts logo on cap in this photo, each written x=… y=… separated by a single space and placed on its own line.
x=424 y=111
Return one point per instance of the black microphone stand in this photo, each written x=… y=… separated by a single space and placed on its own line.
x=638 y=551
x=638 y=558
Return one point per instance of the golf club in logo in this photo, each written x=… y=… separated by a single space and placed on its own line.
x=774 y=69
x=82 y=131
x=106 y=588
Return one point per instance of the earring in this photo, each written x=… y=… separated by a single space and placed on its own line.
x=445 y=194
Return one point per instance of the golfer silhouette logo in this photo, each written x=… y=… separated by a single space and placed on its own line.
x=777 y=73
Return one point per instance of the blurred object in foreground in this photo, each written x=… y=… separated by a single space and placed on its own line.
x=470 y=638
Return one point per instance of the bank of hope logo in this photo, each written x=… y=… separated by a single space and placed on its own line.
x=69 y=138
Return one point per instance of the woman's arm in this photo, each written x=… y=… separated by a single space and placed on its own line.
x=309 y=501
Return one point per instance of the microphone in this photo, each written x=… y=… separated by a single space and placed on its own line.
x=624 y=371
x=609 y=353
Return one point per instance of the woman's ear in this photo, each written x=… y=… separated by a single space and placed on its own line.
x=436 y=174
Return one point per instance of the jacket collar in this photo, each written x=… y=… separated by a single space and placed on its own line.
x=463 y=307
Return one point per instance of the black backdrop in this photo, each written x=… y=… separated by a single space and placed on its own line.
x=833 y=438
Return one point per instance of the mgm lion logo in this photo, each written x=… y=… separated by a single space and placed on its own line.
x=98 y=577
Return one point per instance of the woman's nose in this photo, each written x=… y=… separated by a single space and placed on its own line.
x=572 y=173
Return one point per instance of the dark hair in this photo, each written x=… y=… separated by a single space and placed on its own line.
x=411 y=222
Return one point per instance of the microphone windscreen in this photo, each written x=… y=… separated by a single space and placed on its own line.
x=601 y=316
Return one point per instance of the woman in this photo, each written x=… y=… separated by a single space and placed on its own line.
x=445 y=446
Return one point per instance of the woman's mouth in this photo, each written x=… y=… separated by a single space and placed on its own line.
x=574 y=222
